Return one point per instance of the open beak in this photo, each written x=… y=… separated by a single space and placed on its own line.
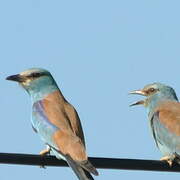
x=16 y=77
x=138 y=92
x=137 y=103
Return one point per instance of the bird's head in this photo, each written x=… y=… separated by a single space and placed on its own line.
x=155 y=93
x=34 y=80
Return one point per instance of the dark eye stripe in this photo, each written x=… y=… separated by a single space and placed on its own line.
x=35 y=75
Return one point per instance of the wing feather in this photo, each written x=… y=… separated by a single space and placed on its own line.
x=165 y=124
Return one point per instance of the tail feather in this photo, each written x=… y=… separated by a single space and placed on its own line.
x=89 y=167
x=88 y=175
x=81 y=173
x=81 y=169
x=177 y=158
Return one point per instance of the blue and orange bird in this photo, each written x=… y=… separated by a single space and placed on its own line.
x=164 y=117
x=56 y=121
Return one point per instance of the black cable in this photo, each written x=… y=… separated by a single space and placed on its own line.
x=104 y=163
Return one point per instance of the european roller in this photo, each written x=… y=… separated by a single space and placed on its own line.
x=56 y=121
x=164 y=117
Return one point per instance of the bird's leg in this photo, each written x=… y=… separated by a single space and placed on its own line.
x=169 y=159
x=45 y=152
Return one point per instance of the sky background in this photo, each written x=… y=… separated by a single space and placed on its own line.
x=97 y=51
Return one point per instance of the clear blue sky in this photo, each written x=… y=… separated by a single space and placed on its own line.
x=97 y=51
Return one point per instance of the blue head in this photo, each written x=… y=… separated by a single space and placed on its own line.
x=36 y=81
x=155 y=93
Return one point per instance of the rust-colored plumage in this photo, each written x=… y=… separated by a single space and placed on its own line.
x=56 y=121
x=169 y=116
x=69 y=138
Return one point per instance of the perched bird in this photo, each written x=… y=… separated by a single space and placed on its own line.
x=164 y=117
x=56 y=121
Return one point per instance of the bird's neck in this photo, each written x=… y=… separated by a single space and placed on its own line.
x=155 y=101
x=41 y=93
x=40 y=88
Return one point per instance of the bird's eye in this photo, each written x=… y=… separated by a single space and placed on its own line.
x=151 y=90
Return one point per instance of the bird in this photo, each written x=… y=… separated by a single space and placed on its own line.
x=56 y=121
x=163 y=110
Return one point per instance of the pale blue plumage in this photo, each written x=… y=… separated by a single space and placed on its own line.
x=56 y=121
x=166 y=141
x=40 y=87
x=164 y=117
x=164 y=93
x=41 y=123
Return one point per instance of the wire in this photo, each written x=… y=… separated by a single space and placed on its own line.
x=104 y=163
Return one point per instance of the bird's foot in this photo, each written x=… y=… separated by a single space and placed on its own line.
x=168 y=159
x=45 y=152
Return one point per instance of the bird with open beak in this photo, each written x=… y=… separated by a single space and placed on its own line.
x=56 y=121
x=164 y=117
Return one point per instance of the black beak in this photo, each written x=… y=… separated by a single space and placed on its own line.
x=16 y=77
